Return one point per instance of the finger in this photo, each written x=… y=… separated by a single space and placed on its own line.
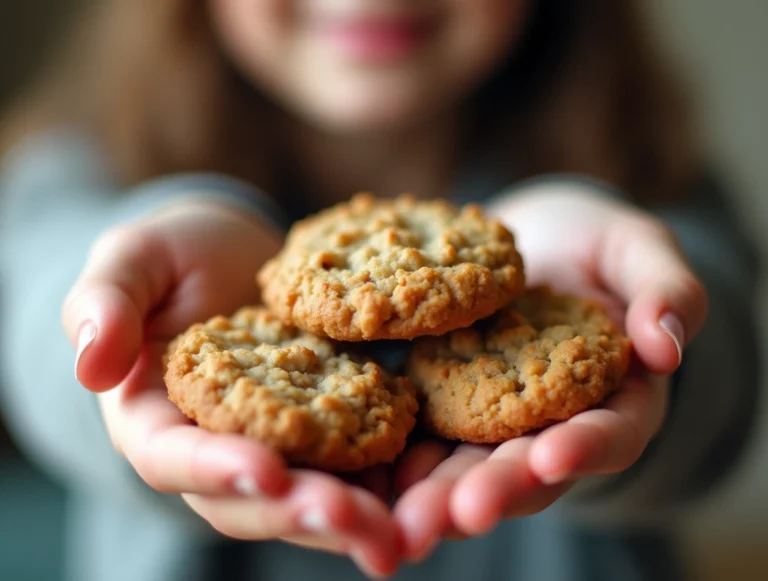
x=423 y=511
x=320 y=512
x=602 y=441
x=418 y=462
x=316 y=505
x=126 y=274
x=642 y=263
x=375 y=556
x=376 y=545
x=501 y=487
x=483 y=493
x=535 y=501
x=215 y=251
x=171 y=455
x=331 y=543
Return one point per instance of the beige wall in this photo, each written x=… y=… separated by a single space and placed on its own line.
x=724 y=46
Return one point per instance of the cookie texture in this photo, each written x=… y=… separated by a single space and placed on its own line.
x=540 y=360
x=392 y=269
x=250 y=374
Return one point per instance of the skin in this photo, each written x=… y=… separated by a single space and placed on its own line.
x=578 y=242
x=285 y=47
x=147 y=281
x=351 y=119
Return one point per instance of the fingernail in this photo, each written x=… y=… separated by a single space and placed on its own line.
x=84 y=338
x=362 y=563
x=315 y=520
x=246 y=486
x=673 y=327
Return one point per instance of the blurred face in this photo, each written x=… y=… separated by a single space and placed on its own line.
x=347 y=65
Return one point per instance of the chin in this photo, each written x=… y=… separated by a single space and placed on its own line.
x=355 y=111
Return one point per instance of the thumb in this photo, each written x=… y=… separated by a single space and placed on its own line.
x=666 y=304
x=126 y=275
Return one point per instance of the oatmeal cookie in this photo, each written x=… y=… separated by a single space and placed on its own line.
x=392 y=269
x=250 y=374
x=540 y=360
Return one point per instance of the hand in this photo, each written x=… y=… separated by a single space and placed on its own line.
x=585 y=244
x=142 y=285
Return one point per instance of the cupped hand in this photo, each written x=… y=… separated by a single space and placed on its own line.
x=584 y=243
x=144 y=283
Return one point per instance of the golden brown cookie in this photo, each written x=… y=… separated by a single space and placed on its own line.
x=392 y=269
x=542 y=359
x=251 y=374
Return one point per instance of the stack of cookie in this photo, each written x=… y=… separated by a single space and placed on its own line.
x=487 y=359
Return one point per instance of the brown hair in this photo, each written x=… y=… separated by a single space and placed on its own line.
x=585 y=92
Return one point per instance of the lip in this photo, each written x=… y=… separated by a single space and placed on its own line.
x=374 y=39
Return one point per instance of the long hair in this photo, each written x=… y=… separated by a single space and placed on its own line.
x=585 y=91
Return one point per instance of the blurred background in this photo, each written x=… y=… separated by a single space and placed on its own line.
x=722 y=48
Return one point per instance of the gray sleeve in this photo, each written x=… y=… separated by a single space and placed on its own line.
x=57 y=196
x=715 y=392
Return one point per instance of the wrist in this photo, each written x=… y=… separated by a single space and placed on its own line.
x=184 y=190
x=213 y=208
x=556 y=189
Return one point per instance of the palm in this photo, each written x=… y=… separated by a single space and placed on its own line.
x=173 y=455
x=145 y=284
x=469 y=489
